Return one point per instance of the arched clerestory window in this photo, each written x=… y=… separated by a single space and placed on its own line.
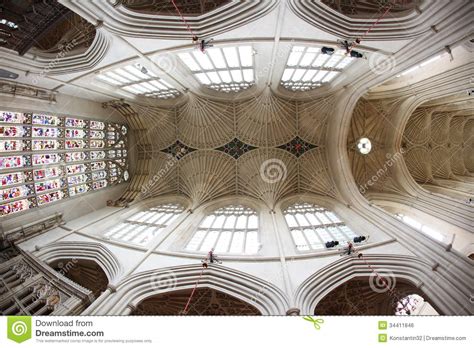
x=312 y=226
x=410 y=221
x=231 y=229
x=143 y=226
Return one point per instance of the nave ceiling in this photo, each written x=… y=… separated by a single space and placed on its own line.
x=265 y=147
x=205 y=144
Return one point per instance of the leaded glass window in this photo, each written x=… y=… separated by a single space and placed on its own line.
x=45 y=158
x=228 y=69
x=312 y=226
x=308 y=68
x=138 y=80
x=232 y=229
x=143 y=226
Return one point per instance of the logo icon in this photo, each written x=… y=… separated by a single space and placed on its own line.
x=273 y=171
x=19 y=329
x=382 y=325
x=383 y=281
x=316 y=322
x=382 y=338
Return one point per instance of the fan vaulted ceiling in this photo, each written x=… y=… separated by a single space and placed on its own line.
x=265 y=147
x=228 y=128
x=439 y=142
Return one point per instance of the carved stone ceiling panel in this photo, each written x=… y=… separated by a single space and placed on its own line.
x=370 y=8
x=265 y=147
x=166 y=8
x=357 y=297
x=71 y=33
x=44 y=24
x=436 y=144
x=266 y=120
x=83 y=272
x=371 y=120
x=438 y=141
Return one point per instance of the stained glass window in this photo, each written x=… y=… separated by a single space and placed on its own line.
x=50 y=172
x=97 y=165
x=98 y=154
x=48 y=185
x=46 y=120
x=11 y=145
x=75 y=190
x=143 y=226
x=14 y=207
x=50 y=197
x=13 y=117
x=12 y=131
x=101 y=174
x=75 y=122
x=75 y=144
x=46 y=132
x=97 y=144
x=75 y=133
x=232 y=229
x=14 y=192
x=12 y=162
x=99 y=184
x=97 y=125
x=46 y=145
x=97 y=134
x=46 y=158
x=75 y=156
x=76 y=168
x=12 y=178
x=77 y=179
x=312 y=226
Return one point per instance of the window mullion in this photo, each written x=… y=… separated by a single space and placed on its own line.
x=300 y=211
x=245 y=232
x=314 y=59
x=220 y=232
x=232 y=234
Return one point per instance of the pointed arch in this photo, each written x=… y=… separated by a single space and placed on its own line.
x=444 y=296
x=96 y=252
x=263 y=295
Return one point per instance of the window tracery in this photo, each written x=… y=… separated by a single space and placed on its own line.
x=45 y=158
x=232 y=229
x=312 y=226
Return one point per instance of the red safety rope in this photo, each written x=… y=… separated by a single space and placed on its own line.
x=184 y=20
x=395 y=297
x=354 y=44
x=378 y=275
x=185 y=311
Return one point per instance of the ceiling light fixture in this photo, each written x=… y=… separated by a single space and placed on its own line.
x=364 y=146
